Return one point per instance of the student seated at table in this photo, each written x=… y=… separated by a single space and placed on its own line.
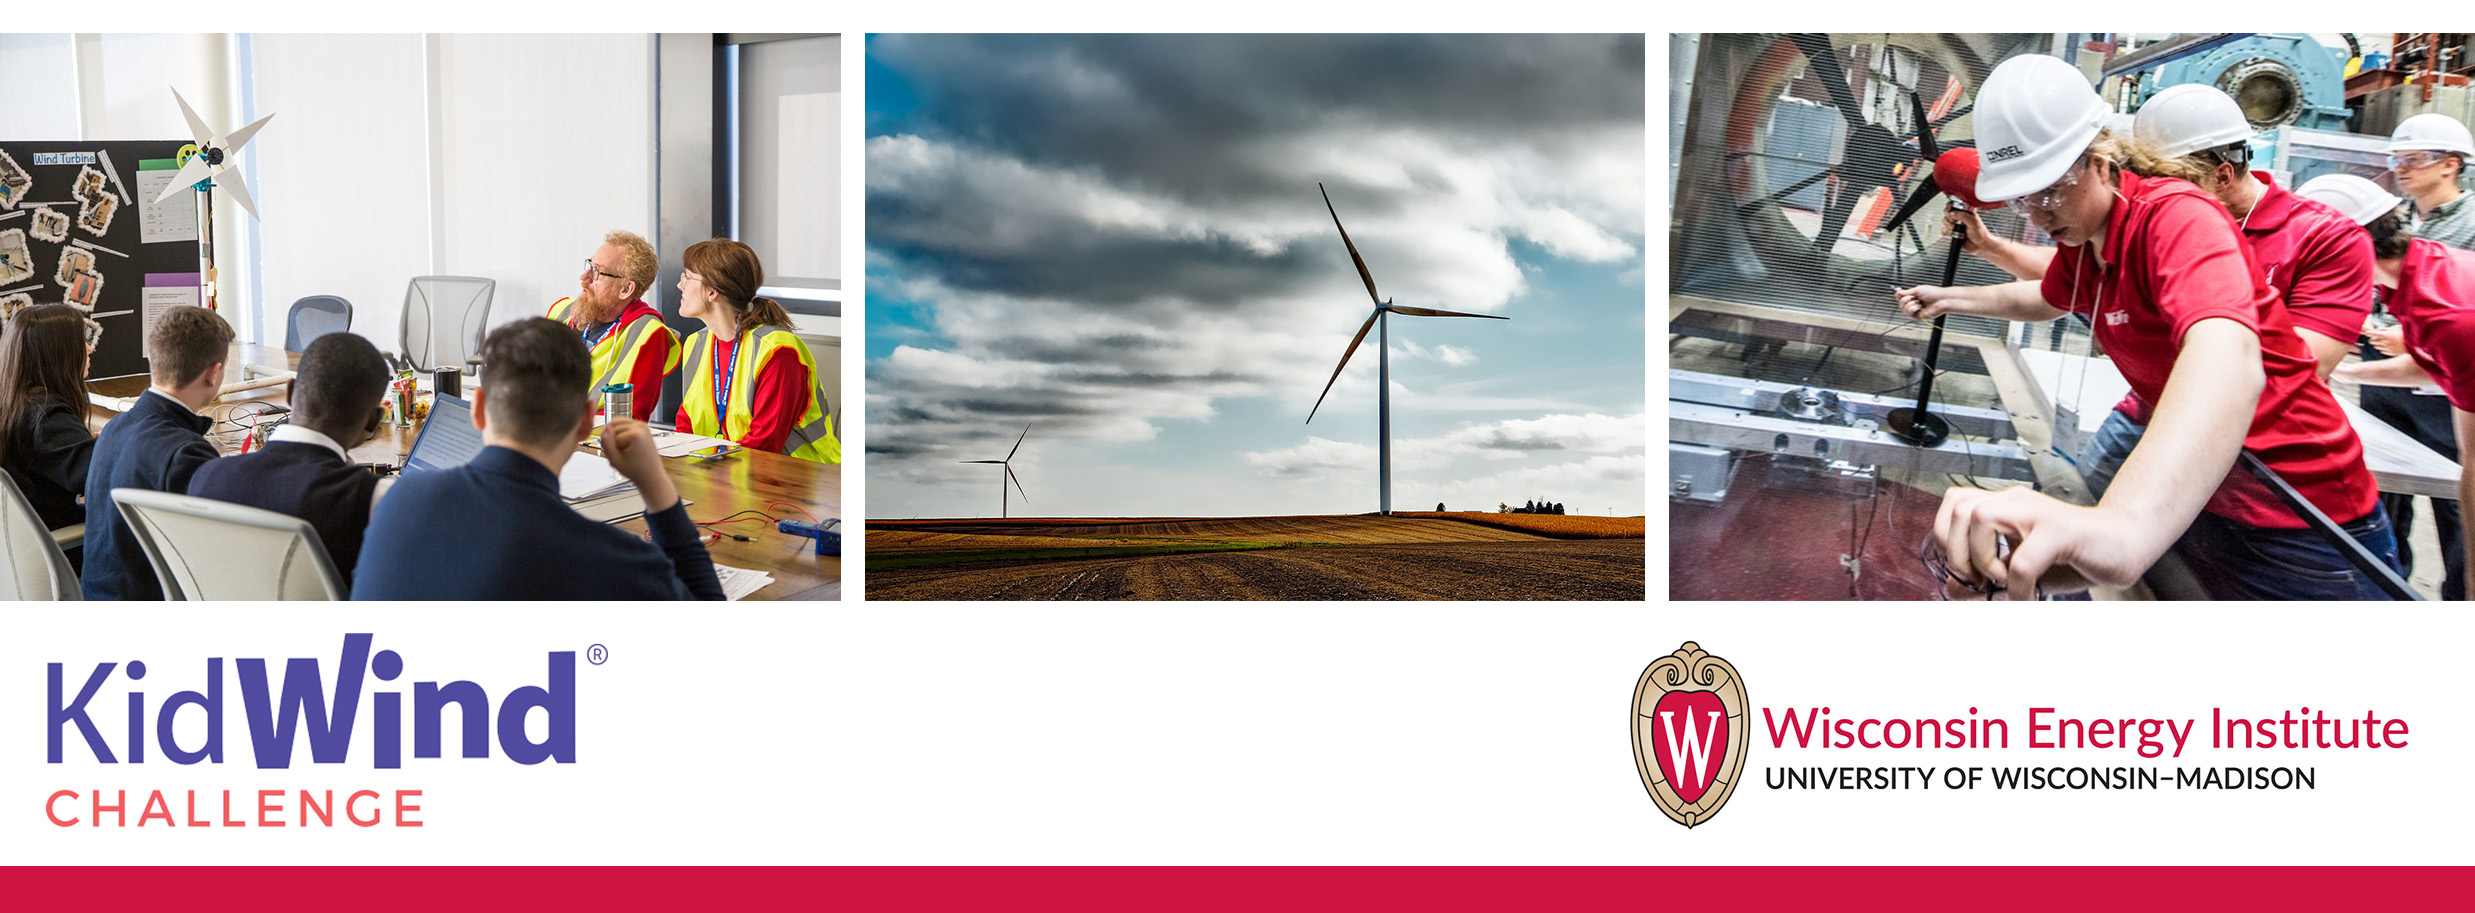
x=156 y=445
x=749 y=378
x=44 y=443
x=496 y=528
x=305 y=470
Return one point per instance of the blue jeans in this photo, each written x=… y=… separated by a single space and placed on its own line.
x=2235 y=561
x=2103 y=455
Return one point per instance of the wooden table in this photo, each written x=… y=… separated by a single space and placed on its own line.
x=747 y=480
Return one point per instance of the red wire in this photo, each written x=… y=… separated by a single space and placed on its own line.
x=802 y=511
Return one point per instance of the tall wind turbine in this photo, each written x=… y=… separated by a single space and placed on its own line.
x=1008 y=463
x=1383 y=352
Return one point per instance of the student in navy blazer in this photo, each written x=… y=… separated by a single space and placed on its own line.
x=305 y=470
x=496 y=527
x=155 y=445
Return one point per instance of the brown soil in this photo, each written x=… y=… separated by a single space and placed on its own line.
x=1527 y=568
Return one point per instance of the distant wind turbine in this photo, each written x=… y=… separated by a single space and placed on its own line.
x=1383 y=352
x=1008 y=463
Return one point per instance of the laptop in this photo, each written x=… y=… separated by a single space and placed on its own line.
x=448 y=438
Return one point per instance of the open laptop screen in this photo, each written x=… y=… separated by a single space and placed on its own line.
x=448 y=438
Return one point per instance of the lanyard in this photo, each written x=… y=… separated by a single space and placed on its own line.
x=723 y=372
x=591 y=340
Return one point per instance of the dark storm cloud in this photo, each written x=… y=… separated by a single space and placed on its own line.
x=1165 y=112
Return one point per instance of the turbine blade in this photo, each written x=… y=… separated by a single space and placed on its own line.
x=998 y=462
x=1825 y=60
x=1018 y=444
x=1018 y=484
x=1336 y=369
x=197 y=127
x=1431 y=312
x=1924 y=128
x=230 y=180
x=190 y=174
x=241 y=136
x=1924 y=193
x=1353 y=248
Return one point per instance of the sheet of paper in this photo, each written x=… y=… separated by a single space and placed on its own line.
x=175 y=219
x=165 y=291
x=738 y=582
x=678 y=443
x=588 y=475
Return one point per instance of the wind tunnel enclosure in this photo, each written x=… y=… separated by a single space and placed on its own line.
x=1789 y=357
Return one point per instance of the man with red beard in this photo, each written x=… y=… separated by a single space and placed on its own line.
x=629 y=342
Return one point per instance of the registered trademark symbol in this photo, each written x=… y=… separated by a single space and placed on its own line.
x=597 y=654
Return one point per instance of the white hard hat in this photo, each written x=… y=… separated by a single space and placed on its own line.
x=2035 y=115
x=2439 y=132
x=2190 y=117
x=2353 y=197
x=2117 y=121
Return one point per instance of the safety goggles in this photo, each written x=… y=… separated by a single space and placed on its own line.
x=2049 y=198
x=2408 y=161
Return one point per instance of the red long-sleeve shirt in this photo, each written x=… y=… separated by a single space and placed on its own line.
x=781 y=398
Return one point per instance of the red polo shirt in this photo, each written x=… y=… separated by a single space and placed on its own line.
x=2435 y=304
x=2177 y=260
x=2317 y=260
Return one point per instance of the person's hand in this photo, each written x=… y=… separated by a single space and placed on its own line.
x=1977 y=238
x=2387 y=340
x=2053 y=546
x=1926 y=302
x=628 y=443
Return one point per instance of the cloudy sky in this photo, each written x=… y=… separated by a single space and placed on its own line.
x=1118 y=242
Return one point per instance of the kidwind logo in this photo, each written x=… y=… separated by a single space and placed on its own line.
x=302 y=703
x=1690 y=730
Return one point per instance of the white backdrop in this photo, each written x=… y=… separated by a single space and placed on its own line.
x=547 y=143
x=343 y=175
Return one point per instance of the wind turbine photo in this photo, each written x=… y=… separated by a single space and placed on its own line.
x=1008 y=463
x=1383 y=357
x=1108 y=236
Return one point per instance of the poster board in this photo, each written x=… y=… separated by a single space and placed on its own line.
x=79 y=225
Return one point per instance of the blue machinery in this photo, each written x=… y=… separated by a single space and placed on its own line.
x=2279 y=80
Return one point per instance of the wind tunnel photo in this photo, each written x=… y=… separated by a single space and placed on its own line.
x=1256 y=317
x=2067 y=316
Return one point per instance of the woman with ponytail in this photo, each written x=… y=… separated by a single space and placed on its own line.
x=44 y=442
x=748 y=378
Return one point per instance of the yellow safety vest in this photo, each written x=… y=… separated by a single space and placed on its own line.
x=614 y=357
x=811 y=438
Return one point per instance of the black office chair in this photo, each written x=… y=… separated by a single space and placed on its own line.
x=315 y=316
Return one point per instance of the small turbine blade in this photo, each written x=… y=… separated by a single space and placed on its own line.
x=1018 y=484
x=197 y=127
x=1431 y=312
x=241 y=136
x=190 y=174
x=1353 y=248
x=998 y=462
x=1336 y=369
x=230 y=180
x=1924 y=127
x=1924 y=193
x=1018 y=444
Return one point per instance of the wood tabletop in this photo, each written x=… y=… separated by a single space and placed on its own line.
x=747 y=480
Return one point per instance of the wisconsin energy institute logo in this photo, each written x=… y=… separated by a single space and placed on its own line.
x=1690 y=730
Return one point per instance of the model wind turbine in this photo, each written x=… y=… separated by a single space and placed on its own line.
x=216 y=157
x=1008 y=463
x=1383 y=354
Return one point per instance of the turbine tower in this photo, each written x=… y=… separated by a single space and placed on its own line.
x=1383 y=354
x=1008 y=463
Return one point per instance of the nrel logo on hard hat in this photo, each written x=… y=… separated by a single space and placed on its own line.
x=2006 y=152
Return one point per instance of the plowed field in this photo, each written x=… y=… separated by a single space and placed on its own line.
x=1337 y=557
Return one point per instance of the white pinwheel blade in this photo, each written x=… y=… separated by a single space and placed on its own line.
x=232 y=144
x=197 y=170
x=230 y=180
x=197 y=127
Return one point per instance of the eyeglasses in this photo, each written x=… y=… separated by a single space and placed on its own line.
x=686 y=276
x=2412 y=160
x=596 y=269
x=2050 y=197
